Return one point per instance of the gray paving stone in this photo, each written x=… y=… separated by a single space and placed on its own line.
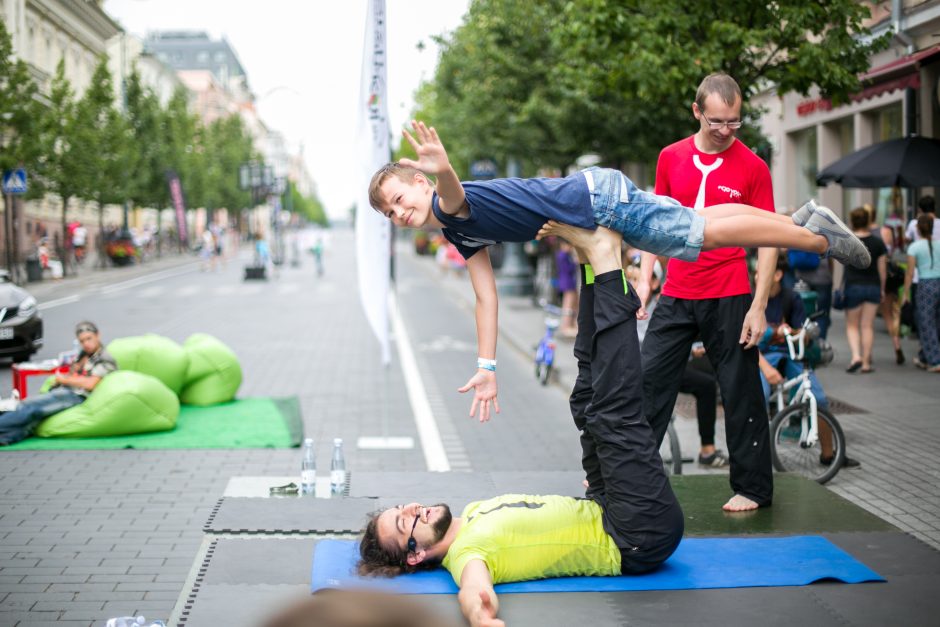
x=148 y=586
x=60 y=606
x=110 y=595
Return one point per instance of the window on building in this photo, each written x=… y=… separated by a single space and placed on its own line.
x=202 y=57
x=807 y=164
x=846 y=134
x=889 y=124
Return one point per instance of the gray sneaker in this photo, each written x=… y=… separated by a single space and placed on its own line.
x=802 y=215
x=843 y=245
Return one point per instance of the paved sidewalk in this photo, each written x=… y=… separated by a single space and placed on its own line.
x=896 y=438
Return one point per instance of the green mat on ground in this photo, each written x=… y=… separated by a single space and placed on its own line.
x=246 y=423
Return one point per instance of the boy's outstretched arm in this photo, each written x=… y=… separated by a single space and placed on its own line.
x=432 y=159
x=487 y=317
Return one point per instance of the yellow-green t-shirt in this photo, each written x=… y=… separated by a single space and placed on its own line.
x=522 y=537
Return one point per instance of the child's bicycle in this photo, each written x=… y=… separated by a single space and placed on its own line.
x=804 y=438
x=545 y=351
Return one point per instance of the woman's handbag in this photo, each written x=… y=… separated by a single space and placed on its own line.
x=838 y=298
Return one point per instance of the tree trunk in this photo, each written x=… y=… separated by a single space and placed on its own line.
x=66 y=245
x=102 y=261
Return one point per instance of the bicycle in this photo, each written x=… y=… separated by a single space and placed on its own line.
x=803 y=435
x=545 y=351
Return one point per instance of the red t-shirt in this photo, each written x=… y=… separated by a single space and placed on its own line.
x=697 y=179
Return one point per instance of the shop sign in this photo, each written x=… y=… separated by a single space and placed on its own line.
x=806 y=107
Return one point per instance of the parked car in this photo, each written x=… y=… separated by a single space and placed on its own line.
x=20 y=322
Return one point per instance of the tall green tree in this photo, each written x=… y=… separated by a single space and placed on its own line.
x=182 y=147
x=147 y=133
x=19 y=109
x=19 y=114
x=229 y=146
x=101 y=142
x=544 y=82
x=59 y=170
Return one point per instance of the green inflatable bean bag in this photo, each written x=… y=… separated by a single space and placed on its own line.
x=152 y=354
x=122 y=403
x=214 y=373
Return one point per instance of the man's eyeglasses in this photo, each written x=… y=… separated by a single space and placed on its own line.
x=717 y=125
x=412 y=543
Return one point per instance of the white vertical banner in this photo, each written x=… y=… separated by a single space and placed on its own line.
x=373 y=232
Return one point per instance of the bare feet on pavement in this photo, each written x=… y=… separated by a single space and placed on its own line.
x=739 y=503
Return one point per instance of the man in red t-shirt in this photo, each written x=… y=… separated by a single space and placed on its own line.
x=711 y=297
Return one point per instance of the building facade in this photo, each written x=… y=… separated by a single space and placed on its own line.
x=45 y=31
x=900 y=96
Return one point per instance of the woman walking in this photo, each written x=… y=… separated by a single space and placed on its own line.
x=864 y=292
x=924 y=255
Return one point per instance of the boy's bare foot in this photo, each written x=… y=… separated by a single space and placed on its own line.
x=576 y=236
x=602 y=245
x=739 y=503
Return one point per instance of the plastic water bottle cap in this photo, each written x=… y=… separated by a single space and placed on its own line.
x=337 y=441
x=308 y=442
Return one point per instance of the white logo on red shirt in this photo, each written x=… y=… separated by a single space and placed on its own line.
x=732 y=193
x=705 y=170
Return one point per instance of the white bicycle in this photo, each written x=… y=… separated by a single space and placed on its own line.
x=805 y=439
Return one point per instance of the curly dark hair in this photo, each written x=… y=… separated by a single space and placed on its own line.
x=376 y=560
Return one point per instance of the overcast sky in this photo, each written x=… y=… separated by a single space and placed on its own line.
x=303 y=59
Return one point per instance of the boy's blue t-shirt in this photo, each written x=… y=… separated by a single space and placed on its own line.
x=513 y=210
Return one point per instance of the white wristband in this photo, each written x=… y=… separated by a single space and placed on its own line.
x=486 y=364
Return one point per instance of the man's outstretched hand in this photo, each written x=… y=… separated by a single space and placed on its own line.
x=487 y=613
x=432 y=158
x=485 y=390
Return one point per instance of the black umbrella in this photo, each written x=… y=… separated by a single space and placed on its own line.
x=907 y=162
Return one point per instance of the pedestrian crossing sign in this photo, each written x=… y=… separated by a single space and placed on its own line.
x=14 y=181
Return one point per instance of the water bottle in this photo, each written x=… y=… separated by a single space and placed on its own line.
x=337 y=469
x=133 y=621
x=308 y=469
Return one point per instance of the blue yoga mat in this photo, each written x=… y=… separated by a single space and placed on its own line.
x=697 y=563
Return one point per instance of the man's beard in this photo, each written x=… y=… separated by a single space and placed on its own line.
x=442 y=524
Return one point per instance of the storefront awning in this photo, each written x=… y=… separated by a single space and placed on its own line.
x=898 y=74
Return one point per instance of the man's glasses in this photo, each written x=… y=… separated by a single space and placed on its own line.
x=717 y=125
x=412 y=543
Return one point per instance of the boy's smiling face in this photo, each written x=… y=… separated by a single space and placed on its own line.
x=407 y=204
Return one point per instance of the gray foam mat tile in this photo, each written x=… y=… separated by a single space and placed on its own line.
x=289 y=515
x=246 y=515
x=890 y=553
x=563 y=482
x=767 y=607
x=907 y=600
x=239 y=605
x=253 y=560
x=412 y=486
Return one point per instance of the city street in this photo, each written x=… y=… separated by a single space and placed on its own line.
x=87 y=535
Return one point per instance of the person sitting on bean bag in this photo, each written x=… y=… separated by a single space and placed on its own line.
x=72 y=388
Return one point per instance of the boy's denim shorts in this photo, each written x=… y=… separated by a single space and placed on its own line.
x=655 y=224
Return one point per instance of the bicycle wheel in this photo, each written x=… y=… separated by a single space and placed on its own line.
x=791 y=454
x=543 y=372
x=670 y=451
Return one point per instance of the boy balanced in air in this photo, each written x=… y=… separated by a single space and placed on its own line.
x=594 y=210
